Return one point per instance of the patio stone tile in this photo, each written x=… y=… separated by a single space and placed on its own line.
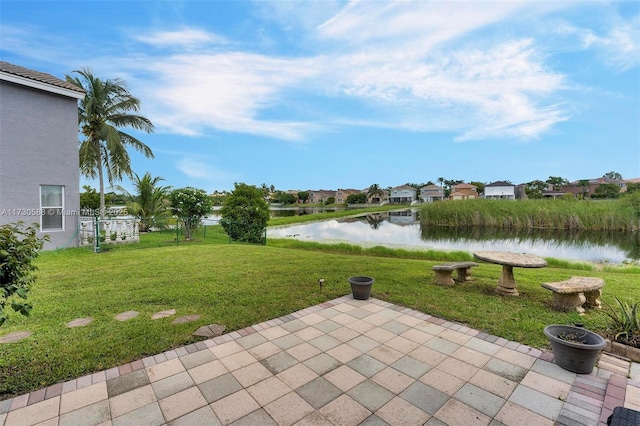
x=343 y=334
x=197 y=358
x=344 y=353
x=455 y=336
x=424 y=397
x=234 y=407
x=411 y=367
x=268 y=390
x=181 y=403
x=208 y=371
x=394 y=327
x=456 y=413
x=252 y=340
x=226 y=349
x=264 y=350
x=344 y=411
x=480 y=399
x=551 y=369
x=505 y=369
x=288 y=341
x=15 y=337
x=172 y=385
x=344 y=378
x=512 y=414
x=79 y=322
x=441 y=345
x=399 y=412
x=322 y=363
x=297 y=376
x=493 y=383
x=312 y=319
x=482 y=346
x=420 y=337
x=238 y=360
x=385 y=354
x=82 y=397
x=327 y=326
x=279 y=362
x=428 y=356
x=514 y=357
x=361 y=326
x=303 y=351
x=537 y=402
x=374 y=420
x=163 y=314
x=393 y=380
x=429 y=327
x=389 y=313
x=457 y=368
x=366 y=365
x=370 y=395
x=308 y=333
x=149 y=414
x=132 y=400
x=251 y=374
x=127 y=382
x=325 y=342
x=547 y=385
x=344 y=307
x=35 y=413
x=475 y=358
x=314 y=419
x=288 y=409
x=318 y=392
x=376 y=319
x=293 y=326
x=219 y=387
x=272 y=333
x=201 y=417
x=403 y=345
x=4 y=406
x=444 y=382
x=358 y=313
x=372 y=307
x=164 y=369
x=258 y=417
x=90 y=415
x=363 y=344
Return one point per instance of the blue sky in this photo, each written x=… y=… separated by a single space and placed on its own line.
x=333 y=94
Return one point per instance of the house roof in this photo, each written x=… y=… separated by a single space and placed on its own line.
x=499 y=183
x=24 y=76
x=464 y=186
x=404 y=187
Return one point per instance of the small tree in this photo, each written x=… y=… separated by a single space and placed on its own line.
x=534 y=188
x=190 y=205
x=18 y=249
x=612 y=176
x=245 y=214
x=557 y=182
x=303 y=196
x=357 y=198
x=607 y=190
x=89 y=200
x=584 y=184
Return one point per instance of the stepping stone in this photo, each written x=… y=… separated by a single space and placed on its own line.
x=163 y=314
x=211 y=330
x=79 y=322
x=185 y=319
x=14 y=337
x=126 y=315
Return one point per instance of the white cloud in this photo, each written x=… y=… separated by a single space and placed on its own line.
x=201 y=170
x=181 y=38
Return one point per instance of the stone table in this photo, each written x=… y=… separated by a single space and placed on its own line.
x=507 y=284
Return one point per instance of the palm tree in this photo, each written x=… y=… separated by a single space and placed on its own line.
x=107 y=107
x=150 y=201
x=441 y=180
x=375 y=190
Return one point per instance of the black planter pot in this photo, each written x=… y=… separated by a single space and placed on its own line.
x=573 y=356
x=361 y=287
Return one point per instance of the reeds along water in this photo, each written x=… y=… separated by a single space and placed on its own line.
x=611 y=215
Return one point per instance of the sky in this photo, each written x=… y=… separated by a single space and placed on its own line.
x=308 y=95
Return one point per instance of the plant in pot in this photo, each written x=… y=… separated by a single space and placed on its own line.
x=361 y=287
x=574 y=348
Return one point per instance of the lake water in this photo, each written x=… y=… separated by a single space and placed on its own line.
x=402 y=230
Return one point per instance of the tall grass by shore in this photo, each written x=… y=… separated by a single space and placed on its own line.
x=611 y=215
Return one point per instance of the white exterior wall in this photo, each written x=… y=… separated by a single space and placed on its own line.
x=500 y=192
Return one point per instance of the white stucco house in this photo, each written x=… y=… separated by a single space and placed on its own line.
x=402 y=194
x=431 y=193
x=500 y=190
x=39 y=173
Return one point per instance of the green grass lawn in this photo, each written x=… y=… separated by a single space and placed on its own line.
x=240 y=285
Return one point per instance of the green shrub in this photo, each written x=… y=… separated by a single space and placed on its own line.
x=625 y=321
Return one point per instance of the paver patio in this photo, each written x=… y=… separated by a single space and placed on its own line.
x=344 y=362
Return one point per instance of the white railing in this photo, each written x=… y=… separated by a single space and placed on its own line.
x=112 y=230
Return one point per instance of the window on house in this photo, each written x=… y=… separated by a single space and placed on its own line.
x=52 y=206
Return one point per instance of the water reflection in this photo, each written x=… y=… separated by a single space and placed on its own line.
x=401 y=229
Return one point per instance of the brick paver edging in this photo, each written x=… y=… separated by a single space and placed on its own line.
x=590 y=400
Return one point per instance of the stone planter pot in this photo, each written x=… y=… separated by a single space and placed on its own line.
x=361 y=287
x=577 y=357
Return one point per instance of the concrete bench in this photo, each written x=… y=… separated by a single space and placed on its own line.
x=576 y=293
x=444 y=273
